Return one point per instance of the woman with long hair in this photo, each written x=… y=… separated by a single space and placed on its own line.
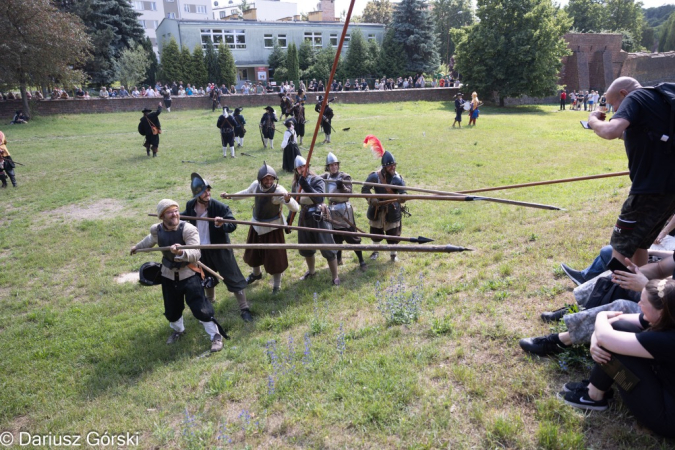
x=474 y=112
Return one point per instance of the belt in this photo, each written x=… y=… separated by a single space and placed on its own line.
x=338 y=203
x=312 y=209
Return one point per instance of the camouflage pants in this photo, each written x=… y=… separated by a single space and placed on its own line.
x=582 y=324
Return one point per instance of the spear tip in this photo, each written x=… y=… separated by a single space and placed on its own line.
x=422 y=240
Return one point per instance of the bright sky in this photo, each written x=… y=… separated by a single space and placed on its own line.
x=342 y=5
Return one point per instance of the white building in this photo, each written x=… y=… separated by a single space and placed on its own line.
x=262 y=10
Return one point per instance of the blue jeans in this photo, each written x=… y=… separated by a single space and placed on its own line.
x=599 y=264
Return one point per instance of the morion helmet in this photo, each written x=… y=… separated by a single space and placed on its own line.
x=198 y=185
x=150 y=274
x=266 y=170
x=299 y=161
x=330 y=159
x=388 y=159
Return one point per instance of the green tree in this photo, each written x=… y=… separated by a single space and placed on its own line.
x=587 y=15
x=625 y=15
x=40 y=44
x=667 y=36
x=377 y=11
x=199 y=73
x=515 y=49
x=373 y=52
x=306 y=54
x=153 y=66
x=320 y=70
x=186 y=66
x=393 y=60
x=357 y=56
x=293 y=65
x=449 y=15
x=132 y=66
x=170 y=62
x=211 y=60
x=277 y=62
x=228 y=70
x=112 y=26
x=414 y=28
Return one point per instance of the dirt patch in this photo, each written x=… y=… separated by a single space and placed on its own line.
x=129 y=277
x=98 y=209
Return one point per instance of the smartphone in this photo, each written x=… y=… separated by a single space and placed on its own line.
x=615 y=264
x=585 y=124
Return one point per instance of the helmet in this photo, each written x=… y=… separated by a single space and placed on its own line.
x=319 y=98
x=266 y=170
x=290 y=121
x=198 y=185
x=150 y=274
x=330 y=159
x=388 y=159
x=299 y=161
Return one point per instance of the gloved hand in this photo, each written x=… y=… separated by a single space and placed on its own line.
x=340 y=185
x=305 y=184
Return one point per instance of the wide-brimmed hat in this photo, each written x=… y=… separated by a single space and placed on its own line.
x=146 y=110
x=269 y=108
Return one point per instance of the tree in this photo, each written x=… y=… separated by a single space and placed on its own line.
x=393 y=60
x=667 y=37
x=199 y=73
x=625 y=15
x=228 y=70
x=321 y=68
x=277 y=61
x=151 y=73
x=293 y=65
x=170 y=66
x=112 y=26
x=132 y=66
x=373 y=52
x=515 y=49
x=587 y=15
x=306 y=54
x=377 y=11
x=448 y=15
x=211 y=61
x=414 y=29
x=357 y=55
x=186 y=66
x=40 y=44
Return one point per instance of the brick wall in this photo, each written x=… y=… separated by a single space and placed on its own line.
x=650 y=68
x=74 y=106
x=595 y=61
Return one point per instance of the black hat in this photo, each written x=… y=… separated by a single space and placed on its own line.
x=150 y=274
x=146 y=110
x=238 y=110
x=269 y=108
x=459 y=94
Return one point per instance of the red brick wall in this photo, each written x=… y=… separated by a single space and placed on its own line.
x=73 y=106
x=650 y=68
x=595 y=62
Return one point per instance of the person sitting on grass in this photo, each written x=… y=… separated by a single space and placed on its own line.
x=643 y=344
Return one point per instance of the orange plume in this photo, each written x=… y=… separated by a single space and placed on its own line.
x=375 y=145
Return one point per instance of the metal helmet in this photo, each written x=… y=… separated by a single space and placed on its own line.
x=330 y=159
x=388 y=159
x=290 y=121
x=198 y=185
x=319 y=98
x=150 y=274
x=266 y=170
x=299 y=161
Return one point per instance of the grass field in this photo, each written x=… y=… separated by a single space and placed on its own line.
x=321 y=367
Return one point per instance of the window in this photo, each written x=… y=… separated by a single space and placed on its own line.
x=138 y=6
x=347 y=39
x=281 y=39
x=186 y=8
x=153 y=6
x=315 y=38
x=333 y=40
x=233 y=38
x=201 y=9
x=269 y=41
x=154 y=24
x=171 y=16
x=142 y=22
x=170 y=1
x=223 y=15
x=371 y=37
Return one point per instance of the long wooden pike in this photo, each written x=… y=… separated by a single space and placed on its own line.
x=452 y=198
x=324 y=102
x=458 y=195
x=541 y=183
x=419 y=239
x=375 y=248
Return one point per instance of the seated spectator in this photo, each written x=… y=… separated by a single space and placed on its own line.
x=641 y=344
x=103 y=93
x=441 y=83
x=55 y=95
x=11 y=96
x=86 y=95
x=79 y=93
x=340 y=88
x=188 y=90
x=19 y=118
x=135 y=93
x=347 y=86
x=232 y=90
x=123 y=92
x=143 y=93
x=364 y=84
x=201 y=91
x=38 y=95
x=114 y=93
x=150 y=93
x=181 y=91
x=64 y=95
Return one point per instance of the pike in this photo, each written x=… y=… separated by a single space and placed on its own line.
x=542 y=183
x=396 y=197
x=419 y=239
x=362 y=247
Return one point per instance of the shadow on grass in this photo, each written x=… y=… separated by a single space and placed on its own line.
x=506 y=110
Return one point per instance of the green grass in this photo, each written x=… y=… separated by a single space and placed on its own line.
x=80 y=352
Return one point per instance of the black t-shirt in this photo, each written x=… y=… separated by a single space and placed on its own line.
x=661 y=345
x=651 y=166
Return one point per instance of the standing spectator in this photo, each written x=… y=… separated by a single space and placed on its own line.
x=591 y=101
x=586 y=101
x=135 y=93
x=459 y=108
x=474 y=112
x=166 y=96
x=563 y=99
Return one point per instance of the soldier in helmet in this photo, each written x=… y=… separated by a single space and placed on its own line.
x=385 y=216
x=290 y=145
x=327 y=117
x=341 y=211
x=313 y=215
x=218 y=232
x=267 y=126
x=239 y=130
x=227 y=124
x=181 y=280
x=267 y=210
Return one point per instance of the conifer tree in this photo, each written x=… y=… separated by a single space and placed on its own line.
x=186 y=66
x=667 y=37
x=199 y=72
x=373 y=51
x=392 y=61
x=211 y=60
x=277 y=61
x=228 y=70
x=151 y=73
x=306 y=54
x=170 y=63
x=414 y=30
x=292 y=64
x=357 y=56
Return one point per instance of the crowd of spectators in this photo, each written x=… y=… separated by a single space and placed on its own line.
x=590 y=100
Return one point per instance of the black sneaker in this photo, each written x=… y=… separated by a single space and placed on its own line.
x=246 y=315
x=252 y=278
x=573 y=275
x=175 y=337
x=580 y=399
x=554 y=316
x=543 y=346
x=582 y=385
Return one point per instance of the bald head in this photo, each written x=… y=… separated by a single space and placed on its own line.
x=619 y=89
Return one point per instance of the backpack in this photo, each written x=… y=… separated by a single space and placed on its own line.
x=667 y=93
x=141 y=129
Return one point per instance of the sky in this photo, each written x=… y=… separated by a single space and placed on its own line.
x=342 y=5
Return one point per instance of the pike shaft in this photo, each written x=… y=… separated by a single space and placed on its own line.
x=400 y=248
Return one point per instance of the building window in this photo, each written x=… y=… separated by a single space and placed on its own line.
x=170 y=1
x=223 y=14
x=171 y=15
x=155 y=24
x=315 y=38
x=142 y=22
x=269 y=41
x=153 y=6
x=138 y=6
x=347 y=40
x=201 y=9
x=281 y=39
x=333 y=40
x=186 y=8
x=371 y=37
x=233 y=38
